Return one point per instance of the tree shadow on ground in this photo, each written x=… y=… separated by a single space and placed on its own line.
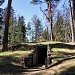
x=62 y=45
x=68 y=71
x=10 y=69
x=60 y=61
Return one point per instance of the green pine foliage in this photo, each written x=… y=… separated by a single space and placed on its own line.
x=58 y=29
x=21 y=30
x=62 y=29
x=38 y=28
x=1 y=21
x=45 y=35
x=28 y=31
x=17 y=29
x=12 y=30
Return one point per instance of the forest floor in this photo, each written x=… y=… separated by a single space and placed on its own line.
x=62 y=64
x=65 y=68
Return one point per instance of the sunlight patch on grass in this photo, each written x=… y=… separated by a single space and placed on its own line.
x=63 y=50
x=55 y=49
x=49 y=42
x=59 y=52
x=67 y=50
x=71 y=43
x=43 y=43
x=14 y=53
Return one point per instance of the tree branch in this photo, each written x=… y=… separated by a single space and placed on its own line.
x=44 y=14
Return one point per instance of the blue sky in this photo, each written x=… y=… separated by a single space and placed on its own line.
x=24 y=8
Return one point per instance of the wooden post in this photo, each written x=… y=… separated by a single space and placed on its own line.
x=46 y=63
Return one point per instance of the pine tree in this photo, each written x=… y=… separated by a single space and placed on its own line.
x=32 y=36
x=45 y=35
x=12 y=25
x=51 y=5
x=68 y=34
x=62 y=28
x=38 y=28
x=12 y=29
x=5 y=38
x=1 y=21
x=59 y=29
x=1 y=14
x=28 y=30
x=21 y=30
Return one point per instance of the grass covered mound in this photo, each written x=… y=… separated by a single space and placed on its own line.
x=16 y=57
x=13 y=62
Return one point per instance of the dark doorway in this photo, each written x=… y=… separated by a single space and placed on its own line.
x=42 y=54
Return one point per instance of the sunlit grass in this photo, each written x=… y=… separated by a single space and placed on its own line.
x=63 y=50
x=44 y=43
x=14 y=53
x=62 y=53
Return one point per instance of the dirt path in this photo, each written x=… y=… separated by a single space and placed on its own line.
x=56 y=70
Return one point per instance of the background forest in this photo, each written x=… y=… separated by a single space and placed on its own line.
x=34 y=43
x=59 y=25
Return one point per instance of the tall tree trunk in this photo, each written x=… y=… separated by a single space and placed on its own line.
x=5 y=38
x=50 y=18
x=74 y=11
x=71 y=21
x=74 y=16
